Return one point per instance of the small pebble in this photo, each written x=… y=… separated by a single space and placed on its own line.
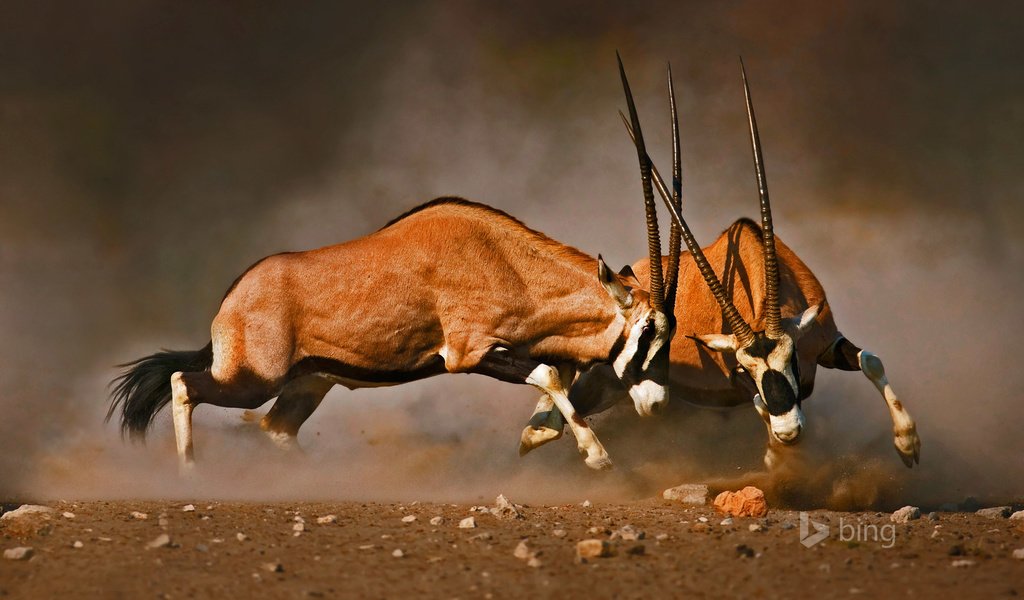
x=1019 y=553
x=435 y=521
x=467 y=523
x=78 y=544
x=726 y=521
x=408 y=518
x=962 y=563
x=755 y=527
x=68 y=515
x=661 y=537
x=559 y=533
x=586 y=504
x=161 y=541
x=188 y=508
x=273 y=567
x=19 y=553
x=241 y=536
x=398 y=553
x=141 y=516
x=327 y=519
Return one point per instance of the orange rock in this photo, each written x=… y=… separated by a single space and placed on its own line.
x=748 y=502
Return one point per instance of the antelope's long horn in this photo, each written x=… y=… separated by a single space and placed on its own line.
x=675 y=236
x=744 y=334
x=653 y=236
x=773 y=316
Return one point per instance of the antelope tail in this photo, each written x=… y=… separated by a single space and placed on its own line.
x=144 y=387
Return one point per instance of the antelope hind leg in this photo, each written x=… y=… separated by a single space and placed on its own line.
x=297 y=401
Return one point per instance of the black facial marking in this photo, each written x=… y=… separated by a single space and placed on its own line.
x=762 y=346
x=643 y=346
x=777 y=393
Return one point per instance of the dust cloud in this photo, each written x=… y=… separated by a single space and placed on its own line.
x=150 y=151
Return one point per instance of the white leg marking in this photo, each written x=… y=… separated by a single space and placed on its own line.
x=904 y=430
x=181 y=409
x=547 y=379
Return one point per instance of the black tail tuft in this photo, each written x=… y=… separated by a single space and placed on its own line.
x=145 y=386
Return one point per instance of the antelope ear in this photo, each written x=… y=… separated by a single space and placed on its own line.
x=800 y=325
x=719 y=342
x=627 y=271
x=613 y=285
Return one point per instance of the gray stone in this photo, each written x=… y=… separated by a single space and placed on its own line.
x=26 y=510
x=504 y=509
x=995 y=512
x=905 y=514
x=19 y=553
x=688 y=493
x=161 y=541
x=467 y=523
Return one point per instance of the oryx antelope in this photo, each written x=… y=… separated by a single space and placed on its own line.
x=757 y=331
x=450 y=286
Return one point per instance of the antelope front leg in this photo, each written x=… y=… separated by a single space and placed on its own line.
x=181 y=411
x=903 y=427
x=546 y=425
x=547 y=378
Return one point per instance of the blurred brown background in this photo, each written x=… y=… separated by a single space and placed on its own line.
x=150 y=151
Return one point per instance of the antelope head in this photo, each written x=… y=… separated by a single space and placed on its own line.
x=768 y=357
x=641 y=358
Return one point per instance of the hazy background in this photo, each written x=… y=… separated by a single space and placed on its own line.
x=150 y=151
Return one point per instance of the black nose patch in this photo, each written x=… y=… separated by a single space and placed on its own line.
x=778 y=394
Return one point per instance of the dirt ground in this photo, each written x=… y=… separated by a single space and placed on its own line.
x=233 y=550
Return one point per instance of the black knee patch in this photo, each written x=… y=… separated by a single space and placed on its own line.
x=842 y=355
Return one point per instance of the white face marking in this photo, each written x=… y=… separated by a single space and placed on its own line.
x=787 y=427
x=778 y=360
x=646 y=396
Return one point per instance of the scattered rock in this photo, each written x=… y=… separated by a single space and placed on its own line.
x=78 y=544
x=398 y=553
x=744 y=551
x=661 y=537
x=202 y=548
x=522 y=551
x=367 y=547
x=933 y=516
x=628 y=534
x=298 y=527
x=241 y=536
x=141 y=516
x=327 y=519
x=726 y=521
x=273 y=567
x=748 y=502
x=504 y=509
x=905 y=514
x=586 y=504
x=1017 y=516
x=435 y=521
x=534 y=562
x=161 y=541
x=787 y=526
x=700 y=528
x=188 y=508
x=702 y=519
x=467 y=523
x=995 y=512
x=408 y=518
x=26 y=510
x=19 y=553
x=559 y=533
x=755 y=527
x=688 y=493
x=1019 y=553
x=480 y=536
x=962 y=563
x=593 y=548
x=68 y=515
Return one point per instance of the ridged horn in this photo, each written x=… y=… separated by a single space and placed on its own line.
x=653 y=236
x=744 y=334
x=675 y=236
x=773 y=314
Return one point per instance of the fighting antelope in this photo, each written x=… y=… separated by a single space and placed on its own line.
x=450 y=286
x=758 y=334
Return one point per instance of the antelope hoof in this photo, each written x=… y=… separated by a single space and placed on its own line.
x=536 y=437
x=599 y=462
x=908 y=445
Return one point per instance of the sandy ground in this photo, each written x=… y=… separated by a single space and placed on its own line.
x=953 y=555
